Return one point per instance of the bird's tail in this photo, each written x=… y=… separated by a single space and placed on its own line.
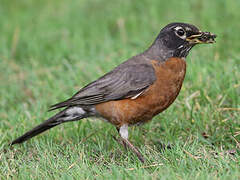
x=69 y=114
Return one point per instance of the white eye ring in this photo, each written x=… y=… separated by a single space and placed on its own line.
x=180 y=32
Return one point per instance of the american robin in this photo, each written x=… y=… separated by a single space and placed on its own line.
x=136 y=90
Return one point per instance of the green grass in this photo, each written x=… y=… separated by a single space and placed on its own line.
x=50 y=49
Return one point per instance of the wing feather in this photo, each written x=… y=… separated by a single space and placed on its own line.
x=125 y=81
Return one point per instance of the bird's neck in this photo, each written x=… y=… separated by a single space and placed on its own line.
x=158 y=51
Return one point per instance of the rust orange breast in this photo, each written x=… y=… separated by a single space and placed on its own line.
x=170 y=75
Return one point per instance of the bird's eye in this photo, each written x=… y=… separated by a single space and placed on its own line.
x=180 y=32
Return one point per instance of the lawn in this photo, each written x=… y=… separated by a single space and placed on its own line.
x=50 y=49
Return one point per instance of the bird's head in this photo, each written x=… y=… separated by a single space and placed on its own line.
x=179 y=38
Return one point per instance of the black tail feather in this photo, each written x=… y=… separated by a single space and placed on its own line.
x=48 y=124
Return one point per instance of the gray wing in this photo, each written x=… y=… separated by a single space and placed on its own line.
x=125 y=81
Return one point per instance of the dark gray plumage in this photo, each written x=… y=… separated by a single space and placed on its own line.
x=125 y=81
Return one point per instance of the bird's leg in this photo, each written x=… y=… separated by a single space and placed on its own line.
x=123 y=131
x=120 y=141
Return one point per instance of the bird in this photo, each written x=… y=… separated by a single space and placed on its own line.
x=136 y=90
